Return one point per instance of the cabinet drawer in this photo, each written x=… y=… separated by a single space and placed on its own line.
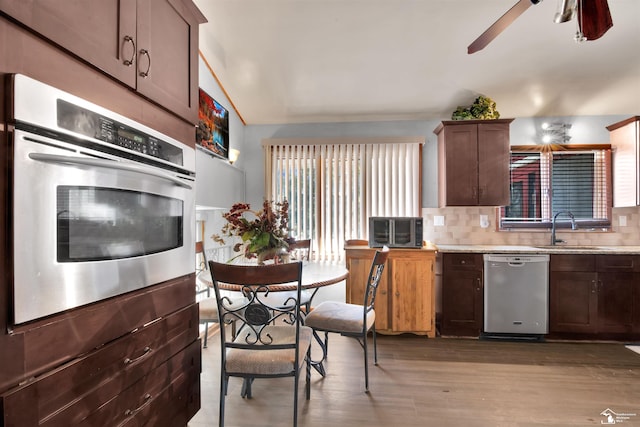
x=611 y=263
x=462 y=261
x=161 y=395
x=67 y=395
x=572 y=262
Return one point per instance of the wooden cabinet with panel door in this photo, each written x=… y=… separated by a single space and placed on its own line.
x=405 y=301
x=473 y=162
x=149 y=45
x=462 y=294
x=594 y=294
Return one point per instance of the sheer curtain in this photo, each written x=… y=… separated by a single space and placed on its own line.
x=334 y=185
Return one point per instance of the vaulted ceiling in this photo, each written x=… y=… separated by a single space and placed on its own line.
x=310 y=61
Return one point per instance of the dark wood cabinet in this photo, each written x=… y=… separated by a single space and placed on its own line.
x=149 y=45
x=473 y=162
x=71 y=366
x=462 y=294
x=404 y=302
x=594 y=294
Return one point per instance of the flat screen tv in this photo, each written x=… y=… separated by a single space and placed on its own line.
x=212 y=133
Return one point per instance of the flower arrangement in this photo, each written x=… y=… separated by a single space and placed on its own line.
x=262 y=235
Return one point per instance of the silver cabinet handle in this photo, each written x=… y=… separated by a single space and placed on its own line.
x=129 y=361
x=109 y=164
x=145 y=52
x=129 y=412
x=129 y=62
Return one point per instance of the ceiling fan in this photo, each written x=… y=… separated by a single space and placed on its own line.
x=594 y=19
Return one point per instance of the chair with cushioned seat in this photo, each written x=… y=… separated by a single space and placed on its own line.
x=300 y=249
x=207 y=304
x=352 y=320
x=271 y=339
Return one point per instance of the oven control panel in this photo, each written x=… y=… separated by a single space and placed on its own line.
x=94 y=125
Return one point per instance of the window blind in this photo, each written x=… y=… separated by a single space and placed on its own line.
x=544 y=183
x=333 y=188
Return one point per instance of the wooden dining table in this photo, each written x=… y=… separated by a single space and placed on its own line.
x=315 y=275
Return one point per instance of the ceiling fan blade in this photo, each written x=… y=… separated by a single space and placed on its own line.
x=594 y=18
x=499 y=26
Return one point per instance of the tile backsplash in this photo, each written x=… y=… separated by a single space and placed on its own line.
x=464 y=226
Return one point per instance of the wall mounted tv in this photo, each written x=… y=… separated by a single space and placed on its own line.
x=212 y=133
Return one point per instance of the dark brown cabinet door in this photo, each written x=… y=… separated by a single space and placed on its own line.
x=149 y=45
x=168 y=55
x=101 y=32
x=462 y=294
x=573 y=302
x=461 y=165
x=493 y=164
x=615 y=301
x=473 y=161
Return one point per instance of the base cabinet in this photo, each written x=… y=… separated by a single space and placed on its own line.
x=594 y=294
x=150 y=373
x=462 y=294
x=405 y=301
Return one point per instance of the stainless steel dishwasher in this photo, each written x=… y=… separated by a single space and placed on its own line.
x=516 y=294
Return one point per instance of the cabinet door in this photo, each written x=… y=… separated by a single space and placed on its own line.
x=615 y=301
x=411 y=299
x=493 y=164
x=101 y=32
x=573 y=302
x=168 y=56
x=462 y=294
x=461 y=163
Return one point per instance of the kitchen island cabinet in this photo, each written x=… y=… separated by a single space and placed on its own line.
x=405 y=299
x=462 y=294
x=148 y=45
x=473 y=162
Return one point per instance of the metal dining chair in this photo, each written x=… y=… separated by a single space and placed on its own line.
x=300 y=249
x=207 y=304
x=271 y=340
x=351 y=320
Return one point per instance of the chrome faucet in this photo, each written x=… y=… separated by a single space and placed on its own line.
x=574 y=226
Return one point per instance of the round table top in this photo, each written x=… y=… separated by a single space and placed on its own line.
x=315 y=274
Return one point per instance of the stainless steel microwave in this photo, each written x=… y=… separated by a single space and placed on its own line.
x=395 y=232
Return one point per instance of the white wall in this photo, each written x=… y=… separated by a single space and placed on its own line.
x=524 y=131
x=219 y=184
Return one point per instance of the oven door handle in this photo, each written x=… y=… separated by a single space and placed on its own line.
x=110 y=164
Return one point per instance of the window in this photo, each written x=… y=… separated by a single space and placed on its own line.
x=334 y=186
x=543 y=183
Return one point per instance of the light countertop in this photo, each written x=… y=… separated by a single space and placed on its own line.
x=543 y=249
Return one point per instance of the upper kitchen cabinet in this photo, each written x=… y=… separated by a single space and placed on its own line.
x=625 y=143
x=473 y=162
x=149 y=45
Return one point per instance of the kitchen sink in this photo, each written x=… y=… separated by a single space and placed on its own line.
x=575 y=247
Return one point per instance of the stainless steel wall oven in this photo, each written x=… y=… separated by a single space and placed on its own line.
x=101 y=205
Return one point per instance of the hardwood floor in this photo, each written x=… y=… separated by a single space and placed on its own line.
x=442 y=382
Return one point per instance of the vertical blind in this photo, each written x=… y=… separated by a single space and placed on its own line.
x=333 y=187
